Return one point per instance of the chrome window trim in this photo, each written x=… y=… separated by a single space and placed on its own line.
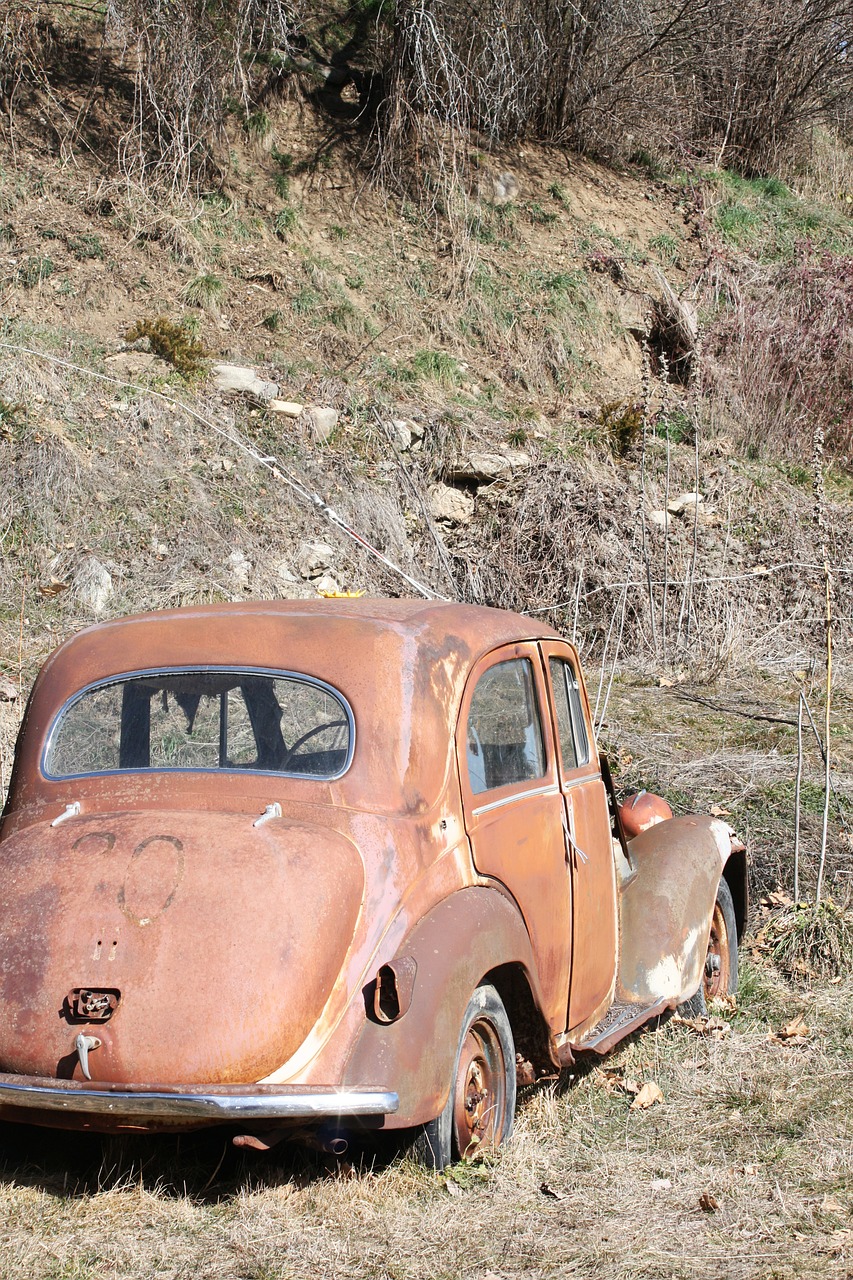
x=550 y=790
x=585 y=777
x=573 y=693
x=277 y=673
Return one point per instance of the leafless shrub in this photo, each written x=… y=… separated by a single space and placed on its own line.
x=724 y=81
x=186 y=57
x=781 y=359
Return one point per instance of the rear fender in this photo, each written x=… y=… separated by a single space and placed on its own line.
x=667 y=906
x=475 y=935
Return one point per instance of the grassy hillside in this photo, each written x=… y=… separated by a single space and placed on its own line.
x=524 y=401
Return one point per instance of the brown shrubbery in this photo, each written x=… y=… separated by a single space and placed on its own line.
x=738 y=80
x=780 y=358
x=733 y=80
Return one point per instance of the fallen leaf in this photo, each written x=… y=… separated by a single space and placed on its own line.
x=796 y=1028
x=452 y=1188
x=552 y=1192
x=708 y=1203
x=647 y=1096
x=794 y=1033
x=53 y=588
x=838 y=1240
x=717 y=811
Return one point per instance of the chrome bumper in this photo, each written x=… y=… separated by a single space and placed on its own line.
x=210 y=1103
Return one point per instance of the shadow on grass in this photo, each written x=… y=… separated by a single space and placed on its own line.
x=205 y=1167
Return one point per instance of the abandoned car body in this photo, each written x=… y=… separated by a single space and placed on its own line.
x=339 y=862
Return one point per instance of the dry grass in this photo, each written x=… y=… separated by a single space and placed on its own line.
x=587 y=1187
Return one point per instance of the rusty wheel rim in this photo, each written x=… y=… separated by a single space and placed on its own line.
x=479 y=1107
x=718 y=960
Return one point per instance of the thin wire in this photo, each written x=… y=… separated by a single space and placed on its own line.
x=763 y=571
x=271 y=464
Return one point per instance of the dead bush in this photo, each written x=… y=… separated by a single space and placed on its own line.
x=780 y=359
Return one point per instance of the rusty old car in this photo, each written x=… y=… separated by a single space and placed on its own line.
x=345 y=863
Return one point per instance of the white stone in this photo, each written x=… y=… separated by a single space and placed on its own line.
x=504 y=187
x=402 y=433
x=659 y=519
x=480 y=467
x=93 y=584
x=322 y=421
x=280 y=569
x=452 y=506
x=314 y=559
x=327 y=585
x=8 y=691
x=289 y=408
x=236 y=378
x=239 y=566
x=678 y=506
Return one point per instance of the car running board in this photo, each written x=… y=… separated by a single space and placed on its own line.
x=619 y=1021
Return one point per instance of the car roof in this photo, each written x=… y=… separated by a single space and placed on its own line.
x=401 y=664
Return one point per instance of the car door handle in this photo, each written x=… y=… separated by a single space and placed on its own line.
x=570 y=842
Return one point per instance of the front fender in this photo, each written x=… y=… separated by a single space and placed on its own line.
x=667 y=906
x=457 y=945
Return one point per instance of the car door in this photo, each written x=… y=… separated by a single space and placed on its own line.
x=593 y=872
x=513 y=806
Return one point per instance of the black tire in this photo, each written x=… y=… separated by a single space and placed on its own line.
x=480 y=1108
x=719 y=975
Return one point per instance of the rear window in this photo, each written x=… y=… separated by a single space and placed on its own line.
x=204 y=720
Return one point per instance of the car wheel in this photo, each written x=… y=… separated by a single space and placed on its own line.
x=480 y=1109
x=719 y=976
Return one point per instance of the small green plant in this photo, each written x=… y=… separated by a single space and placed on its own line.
x=342 y=314
x=539 y=215
x=339 y=233
x=87 y=247
x=13 y=417
x=259 y=127
x=665 y=246
x=281 y=182
x=172 y=342
x=205 y=291
x=273 y=321
x=517 y=437
x=354 y=281
x=645 y=160
x=437 y=366
x=285 y=221
x=33 y=271
x=676 y=426
x=283 y=159
x=559 y=193
x=305 y=301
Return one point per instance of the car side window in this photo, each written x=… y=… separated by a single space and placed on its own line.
x=504 y=732
x=574 y=744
